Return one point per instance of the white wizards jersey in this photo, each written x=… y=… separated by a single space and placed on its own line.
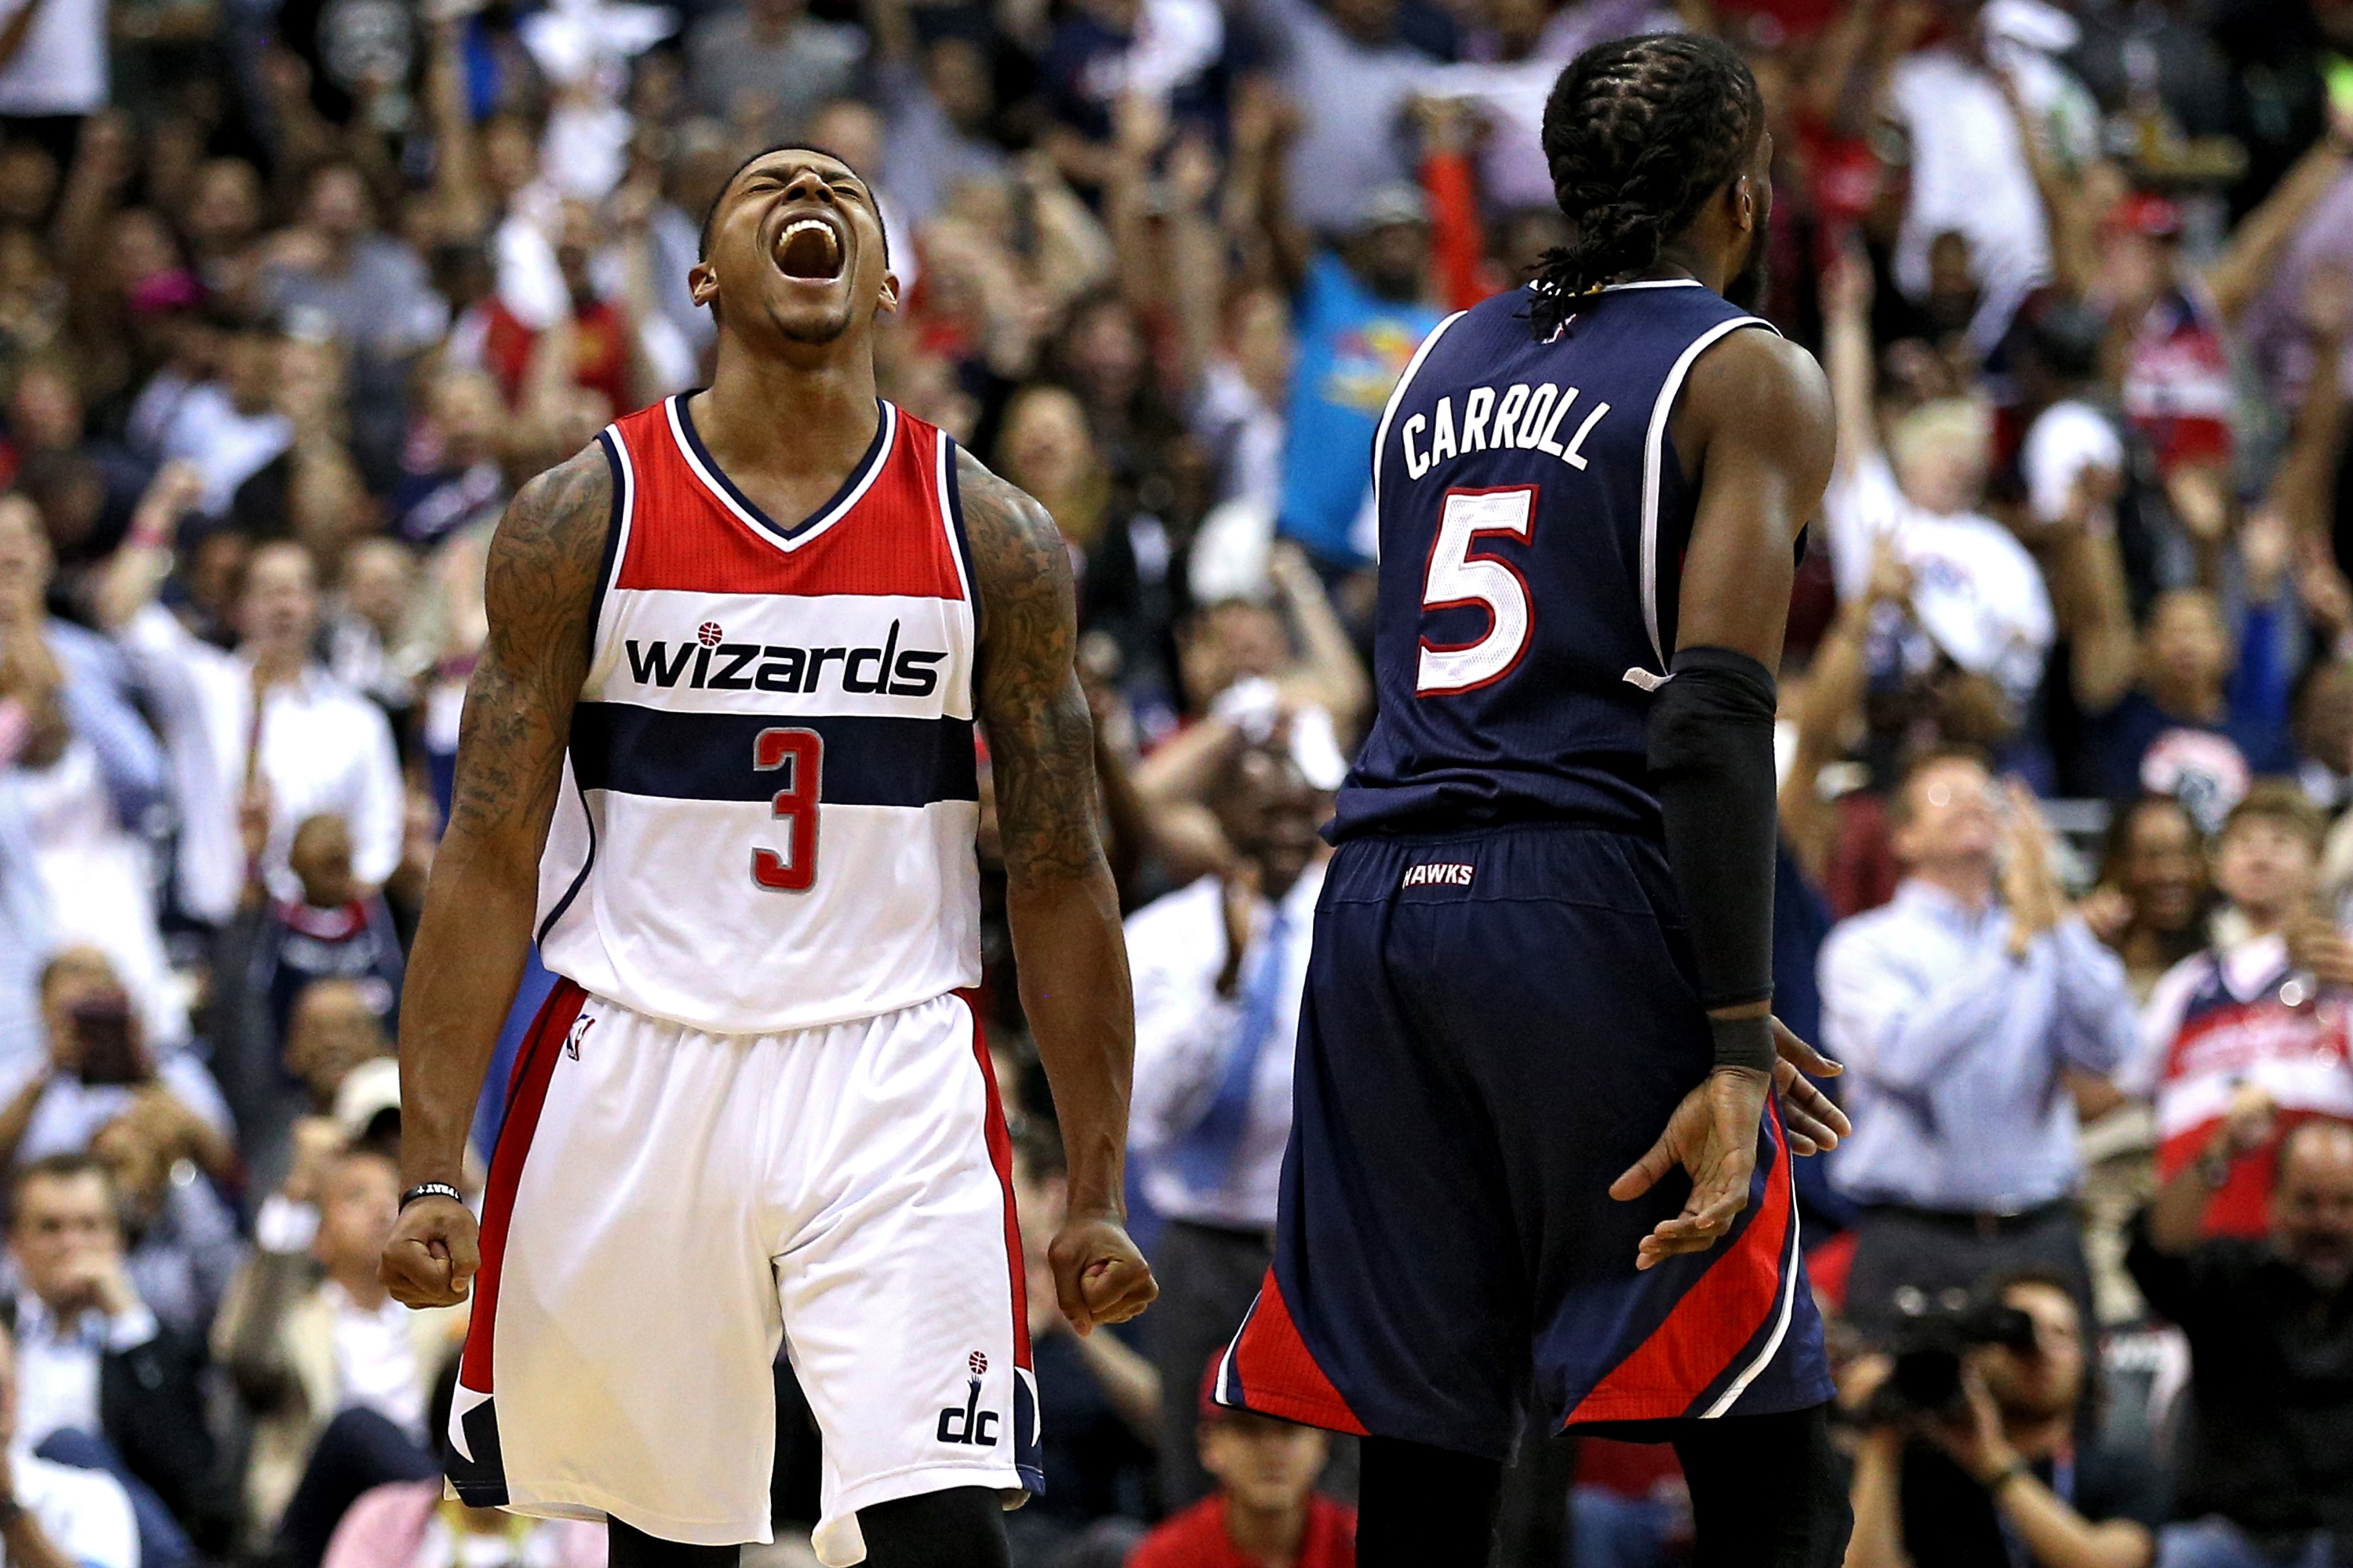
x=769 y=797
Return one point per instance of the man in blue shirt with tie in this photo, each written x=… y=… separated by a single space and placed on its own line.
x=1219 y=968
x=1961 y=1008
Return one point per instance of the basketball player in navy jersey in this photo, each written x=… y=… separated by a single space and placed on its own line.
x=1546 y=933
x=722 y=767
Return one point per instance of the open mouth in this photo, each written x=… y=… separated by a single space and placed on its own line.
x=810 y=250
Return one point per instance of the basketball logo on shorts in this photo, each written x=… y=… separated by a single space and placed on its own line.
x=580 y=1027
x=972 y=1425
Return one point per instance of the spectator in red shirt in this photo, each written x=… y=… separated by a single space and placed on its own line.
x=2258 y=1018
x=1266 y=1512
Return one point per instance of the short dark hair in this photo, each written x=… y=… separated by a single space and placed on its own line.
x=710 y=213
x=2280 y=800
x=58 y=1168
x=1638 y=133
x=2000 y=1283
x=2115 y=846
x=1039 y=1145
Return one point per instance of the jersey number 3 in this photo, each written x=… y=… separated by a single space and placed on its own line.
x=801 y=754
x=1455 y=579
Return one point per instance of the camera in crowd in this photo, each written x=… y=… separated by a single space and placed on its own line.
x=1929 y=1344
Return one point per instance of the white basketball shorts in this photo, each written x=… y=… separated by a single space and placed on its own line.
x=666 y=1206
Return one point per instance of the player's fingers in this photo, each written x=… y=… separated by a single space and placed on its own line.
x=1806 y=1110
x=1118 y=1290
x=1644 y=1173
x=415 y=1277
x=1813 y=1128
x=1069 y=1293
x=1141 y=1292
x=465 y=1257
x=1685 y=1233
x=1794 y=1050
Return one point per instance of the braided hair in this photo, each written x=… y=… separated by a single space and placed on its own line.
x=1639 y=133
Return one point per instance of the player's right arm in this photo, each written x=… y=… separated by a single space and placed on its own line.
x=1756 y=424
x=483 y=896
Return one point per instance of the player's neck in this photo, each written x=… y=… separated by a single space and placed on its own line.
x=1683 y=262
x=772 y=415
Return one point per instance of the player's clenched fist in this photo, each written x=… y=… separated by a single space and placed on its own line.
x=1099 y=1276
x=436 y=1247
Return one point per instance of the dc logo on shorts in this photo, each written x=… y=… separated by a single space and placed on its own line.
x=971 y=1425
x=580 y=1027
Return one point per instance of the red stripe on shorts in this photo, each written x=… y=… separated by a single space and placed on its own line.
x=1717 y=1318
x=526 y=1094
x=1276 y=1374
x=1000 y=1155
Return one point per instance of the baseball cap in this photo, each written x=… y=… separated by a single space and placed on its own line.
x=1394 y=203
x=368 y=1091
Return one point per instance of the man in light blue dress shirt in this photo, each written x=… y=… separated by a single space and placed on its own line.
x=1962 y=1008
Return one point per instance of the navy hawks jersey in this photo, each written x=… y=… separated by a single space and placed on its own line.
x=1532 y=517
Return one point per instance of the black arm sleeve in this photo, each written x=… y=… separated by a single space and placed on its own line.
x=1711 y=754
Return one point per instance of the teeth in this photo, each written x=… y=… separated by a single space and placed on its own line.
x=833 y=244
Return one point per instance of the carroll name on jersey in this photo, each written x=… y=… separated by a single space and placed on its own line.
x=770 y=793
x=1530 y=418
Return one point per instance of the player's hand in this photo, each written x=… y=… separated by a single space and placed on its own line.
x=1099 y=1276
x=1811 y=1117
x=436 y=1247
x=1712 y=1135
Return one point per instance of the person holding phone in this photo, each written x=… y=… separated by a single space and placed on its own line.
x=98 y=1066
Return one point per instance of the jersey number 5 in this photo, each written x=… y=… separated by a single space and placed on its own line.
x=1455 y=577
x=801 y=753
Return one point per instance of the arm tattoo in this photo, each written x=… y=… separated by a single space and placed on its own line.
x=1040 y=737
x=541 y=581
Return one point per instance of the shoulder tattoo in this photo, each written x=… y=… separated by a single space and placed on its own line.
x=1040 y=737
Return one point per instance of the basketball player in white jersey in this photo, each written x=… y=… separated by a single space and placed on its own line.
x=720 y=766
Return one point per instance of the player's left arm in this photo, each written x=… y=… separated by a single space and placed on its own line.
x=1755 y=431
x=1059 y=895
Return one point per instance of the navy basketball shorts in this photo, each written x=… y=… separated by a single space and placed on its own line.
x=1496 y=1024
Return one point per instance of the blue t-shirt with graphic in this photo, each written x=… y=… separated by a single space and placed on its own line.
x=1353 y=346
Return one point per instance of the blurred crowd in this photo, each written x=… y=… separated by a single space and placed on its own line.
x=295 y=293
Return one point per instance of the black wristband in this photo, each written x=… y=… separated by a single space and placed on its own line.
x=11 y=1511
x=1711 y=766
x=431 y=1189
x=1744 y=1042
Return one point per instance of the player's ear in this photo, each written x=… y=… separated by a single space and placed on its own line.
x=889 y=299
x=1743 y=201
x=701 y=283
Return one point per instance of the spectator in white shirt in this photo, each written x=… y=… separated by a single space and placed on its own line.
x=1218 y=969
x=337 y=1373
x=1977 y=598
x=232 y=428
x=101 y=1382
x=52 y=1515
x=83 y=776
x=249 y=776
